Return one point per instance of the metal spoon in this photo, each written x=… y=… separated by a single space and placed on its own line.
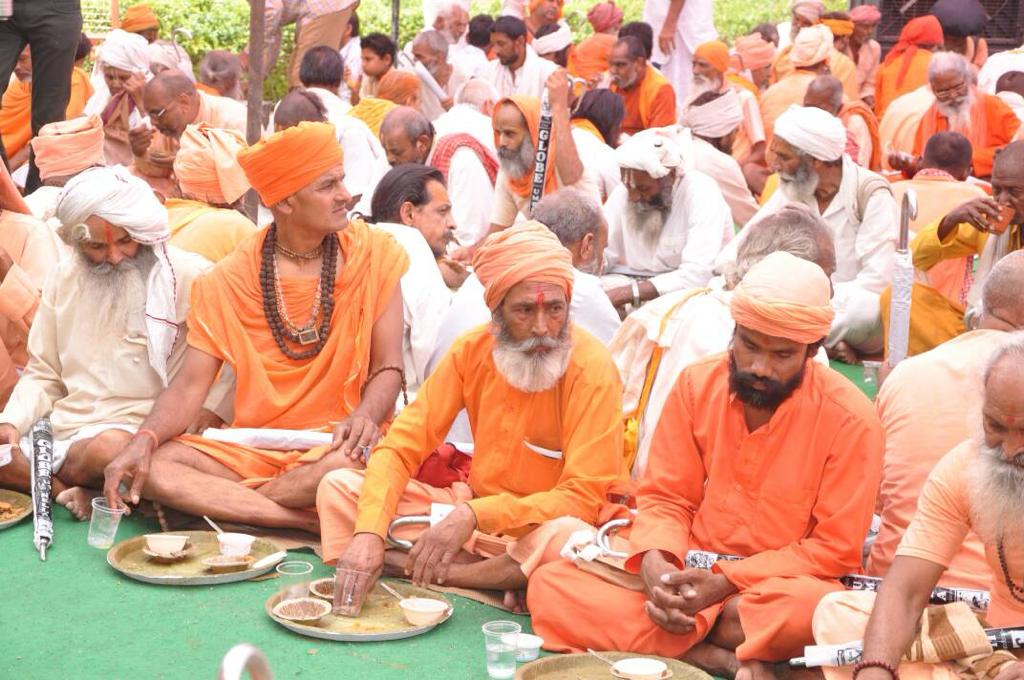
x=213 y=524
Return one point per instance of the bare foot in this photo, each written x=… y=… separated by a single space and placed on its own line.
x=515 y=601
x=78 y=501
x=755 y=670
x=843 y=352
x=713 y=659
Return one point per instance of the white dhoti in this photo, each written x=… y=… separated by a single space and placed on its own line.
x=62 y=446
x=695 y=27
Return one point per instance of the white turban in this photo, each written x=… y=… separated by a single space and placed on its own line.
x=810 y=10
x=656 y=151
x=170 y=55
x=126 y=201
x=813 y=45
x=716 y=118
x=126 y=51
x=553 y=42
x=813 y=131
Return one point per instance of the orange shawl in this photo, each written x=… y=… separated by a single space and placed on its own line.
x=16 y=116
x=226 y=320
x=530 y=108
x=993 y=125
x=590 y=58
x=871 y=121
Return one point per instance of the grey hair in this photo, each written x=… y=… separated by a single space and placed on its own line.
x=73 y=234
x=218 y=65
x=950 y=61
x=448 y=8
x=795 y=229
x=476 y=92
x=570 y=215
x=1003 y=285
x=1012 y=348
x=433 y=41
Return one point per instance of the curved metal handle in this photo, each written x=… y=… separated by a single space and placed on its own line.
x=604 y=534
x=242 y=658
x=408 y=520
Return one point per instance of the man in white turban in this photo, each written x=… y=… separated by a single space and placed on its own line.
x=807 y=59
x=859 y=209
x=667 y=222
x=108 y=334
x=552 y=42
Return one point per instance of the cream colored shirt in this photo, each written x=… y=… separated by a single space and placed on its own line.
x=508 y=204
x=528 y=79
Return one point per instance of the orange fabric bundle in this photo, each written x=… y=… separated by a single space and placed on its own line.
x=529 y=107
x=917 y=32
x=139 y=18
x=399 y=87
x=715 y=53
x=289 y=160
x=371 y=110
x=754 y=51
x=527 y=251
x=206 y=165
x=785 y=297
x=840 y=27
x=590 y=58
x=16 y=116
x=69 y=146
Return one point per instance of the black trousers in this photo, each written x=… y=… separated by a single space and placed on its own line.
x=52 y=28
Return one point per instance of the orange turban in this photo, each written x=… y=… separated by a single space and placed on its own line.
x=715 y=53
x=527 y=251
x=754 y=51
x=813 y=45
x=290 y=160
x=530 y=108
x=919 y=32
x=840 y=27
x=371 y=110
x=139 y=18
x=785 y=297
x=207 y=165
x=399 y=87
x=69 y=146
x=534 y=4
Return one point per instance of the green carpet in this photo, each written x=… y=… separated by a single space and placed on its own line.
x=75 y=618
x=856 y=375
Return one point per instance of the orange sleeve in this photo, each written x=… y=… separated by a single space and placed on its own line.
x=673 y=485
x=842 y=512
x=200 y=334
x=1002 y=125
x=663 y=108
x=19 y=298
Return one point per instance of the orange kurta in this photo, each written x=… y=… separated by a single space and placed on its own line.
x=839 y=65
x=226 y=320
x=538 y=456
x=783 y=94
x=16 y=109
x=650 y=103
x=590 y=58
x=993 y=126
x=890 y=86
x=913 y=445
x=795 y=497
x=211 y=232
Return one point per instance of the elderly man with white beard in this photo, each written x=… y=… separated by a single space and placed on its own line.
x=978 y=486
x=108 y=334
x=431 y=49
x=859 y=209
x=666 y=223
x=544 y=461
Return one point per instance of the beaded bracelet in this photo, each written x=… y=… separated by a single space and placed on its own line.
x=876 y=664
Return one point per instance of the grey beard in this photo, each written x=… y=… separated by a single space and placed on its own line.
x=647 y=218
x=531 y=372
x=996 y=488
x=702 y=85
x=118 y=292
x=800 y=187
x=959 y=115
x=518 y=162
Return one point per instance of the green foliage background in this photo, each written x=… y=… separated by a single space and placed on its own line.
x=224 y=24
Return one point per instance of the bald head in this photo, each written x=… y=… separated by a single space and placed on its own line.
x=406 y=136
x=171 y=101
x=1001 y=299
x=172 y=83
x=298 y=106
x=479 y=94
x=825 y=93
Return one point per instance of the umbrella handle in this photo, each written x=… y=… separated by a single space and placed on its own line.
x=540 y=159
x=408 y=520
x=604 y=534
x=244 y=658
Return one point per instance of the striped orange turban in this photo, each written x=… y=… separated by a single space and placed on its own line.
x=290 y=160
x=840 y=27
x=715 y=53
x=527 y=251
x=68 y=146
x=785 y=297
x=206 y=165
x=139 y=18
x=400 y=87
x=754 y=51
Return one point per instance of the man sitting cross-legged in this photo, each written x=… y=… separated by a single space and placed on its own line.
x=760 y=453
x=108 y=333
x=309 y=316
x=544 y=459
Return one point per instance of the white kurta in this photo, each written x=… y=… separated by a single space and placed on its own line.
x=465 y=118
x=469 y=59
x=1015 y=102
x=352 y=55
x=471 y=194
x=698 y=226
x=529 y=79
x=43 y=202
x=997 y=65
x=695 y=26
x=601 y=158
x=726 y=172
x=430 y=105
x=425 y=300
x=865 y=251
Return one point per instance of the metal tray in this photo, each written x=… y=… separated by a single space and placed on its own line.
x=380 y=620
x=128 y=558
x=22 y=504
x=589 y=667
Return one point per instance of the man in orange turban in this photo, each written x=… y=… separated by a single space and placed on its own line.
x=400 y=87
x=141 y=19
x=906 y=66
x=308 y=315
x=207 y=218
x=62 y=150
x=720 y=478
x=754 y=57
x=817 y=44
x=544 y=461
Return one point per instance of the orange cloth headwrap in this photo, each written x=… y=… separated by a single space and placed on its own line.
x=590 y=58
x=399 y=87
x=527 y=251
x=69 y=146
x=754 y=51
x=207 y=165
x=840 y=27
x=530 y=108
x=139 y=18
x=922 y=31
x=715 y=53
x=785 y=297
x=371 y=110
x=290 y=160
x=534 y=4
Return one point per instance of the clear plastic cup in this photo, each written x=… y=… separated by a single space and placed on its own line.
x=293 y=579
x=103 y=525
x=500 y=641
x=350 y=589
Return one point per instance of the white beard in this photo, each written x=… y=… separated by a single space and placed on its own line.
x=996 y=490
x=801 y=186
x=532 y=372
x=118 y=292
x=646 y=221
x=959 y=116
x=702 y=85
x=519 y=162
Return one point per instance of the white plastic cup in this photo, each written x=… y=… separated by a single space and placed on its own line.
x=104 y=522
x=235 y=544
x=500 y=641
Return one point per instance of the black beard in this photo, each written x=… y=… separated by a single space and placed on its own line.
x=768 y=398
